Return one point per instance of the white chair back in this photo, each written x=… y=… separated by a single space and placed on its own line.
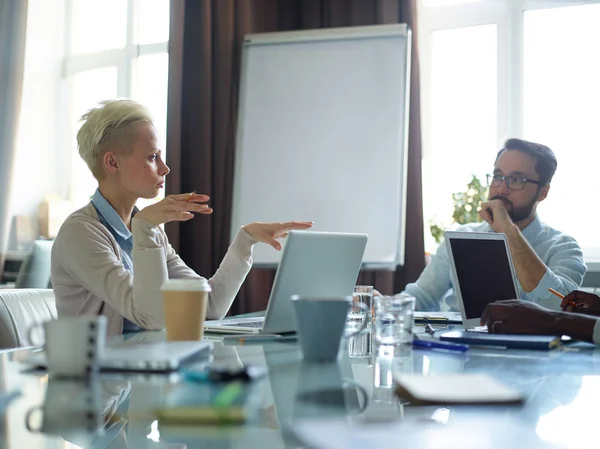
x=19 y=309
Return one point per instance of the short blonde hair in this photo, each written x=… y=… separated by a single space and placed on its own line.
x=109 y=125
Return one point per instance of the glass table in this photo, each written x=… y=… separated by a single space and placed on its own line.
x=562 y=388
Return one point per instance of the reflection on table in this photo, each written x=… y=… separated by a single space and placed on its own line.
x=118 y=410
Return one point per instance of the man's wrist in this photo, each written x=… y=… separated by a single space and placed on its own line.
x=558 y=324
x=512 y=230
x=574 y=325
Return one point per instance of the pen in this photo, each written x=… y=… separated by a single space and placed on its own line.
x=554 y=292
x=426 y=344
x=426 y=319
x=242 y=339
x=561 y=296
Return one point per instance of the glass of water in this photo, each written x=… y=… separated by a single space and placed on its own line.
x=359 y=345
x=394 y=320
x=362 y=294
x=386 y=366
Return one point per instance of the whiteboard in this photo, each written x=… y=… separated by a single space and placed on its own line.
x=322 y=135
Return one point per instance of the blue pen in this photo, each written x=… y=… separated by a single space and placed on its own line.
x=426 y=344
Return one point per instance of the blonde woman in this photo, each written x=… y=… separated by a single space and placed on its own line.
x=109 y=257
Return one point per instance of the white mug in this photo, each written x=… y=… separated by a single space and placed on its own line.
x=74 y=345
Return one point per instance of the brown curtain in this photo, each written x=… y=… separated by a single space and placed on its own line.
x=205 y=49
x=13 y=27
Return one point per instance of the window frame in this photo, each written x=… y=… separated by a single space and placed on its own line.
x=508 y=16
x=123 y=59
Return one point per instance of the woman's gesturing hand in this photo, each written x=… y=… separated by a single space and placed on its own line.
x=269 y=232
x=176 y=208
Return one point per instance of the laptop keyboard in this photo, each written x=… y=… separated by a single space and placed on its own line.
x=246 y=324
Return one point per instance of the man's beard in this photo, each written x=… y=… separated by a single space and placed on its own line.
x=517 y=214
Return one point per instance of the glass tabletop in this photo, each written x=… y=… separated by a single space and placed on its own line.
x=119 y=410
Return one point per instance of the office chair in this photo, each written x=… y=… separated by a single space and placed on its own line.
x=35 y=270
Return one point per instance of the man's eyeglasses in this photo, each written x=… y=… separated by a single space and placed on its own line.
x=512 y=182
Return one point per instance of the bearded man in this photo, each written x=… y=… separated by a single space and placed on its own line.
x=542 y=256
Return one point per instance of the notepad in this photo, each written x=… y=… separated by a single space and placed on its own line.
x=454 y=389
x=540 y=342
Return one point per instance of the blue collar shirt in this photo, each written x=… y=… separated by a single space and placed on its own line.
x=562 y=255
x=109 y=217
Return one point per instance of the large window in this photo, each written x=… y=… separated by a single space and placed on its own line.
x=115 y=48
x=493 y=69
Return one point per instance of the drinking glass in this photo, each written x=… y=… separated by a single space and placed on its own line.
x=394 y=320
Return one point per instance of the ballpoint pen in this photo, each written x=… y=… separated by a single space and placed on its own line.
x=258 y=338
x=561 y=296
x=432 y=319
x=426 y=344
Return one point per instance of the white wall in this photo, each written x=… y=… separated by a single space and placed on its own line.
x=39 y=160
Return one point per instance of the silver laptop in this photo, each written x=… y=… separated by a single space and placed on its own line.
x=152 y=356
x=482 y=272
x=312 y=264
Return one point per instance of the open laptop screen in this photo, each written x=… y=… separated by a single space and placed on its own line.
x=483 y=271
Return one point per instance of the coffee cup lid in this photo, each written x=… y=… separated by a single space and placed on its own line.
x=186 y=285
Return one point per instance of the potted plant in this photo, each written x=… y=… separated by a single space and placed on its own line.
x=467 y=205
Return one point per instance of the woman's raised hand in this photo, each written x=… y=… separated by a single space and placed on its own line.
x=176 y=208
x=269 y=232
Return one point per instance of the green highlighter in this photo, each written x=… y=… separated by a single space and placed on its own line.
x=220 y=412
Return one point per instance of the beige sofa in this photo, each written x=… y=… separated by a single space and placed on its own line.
x=19 y=309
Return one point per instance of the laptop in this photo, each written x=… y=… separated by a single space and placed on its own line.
x=482 y=272
x=324 y=264
x=149 y=356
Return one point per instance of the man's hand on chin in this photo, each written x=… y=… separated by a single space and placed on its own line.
x=497 y=216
